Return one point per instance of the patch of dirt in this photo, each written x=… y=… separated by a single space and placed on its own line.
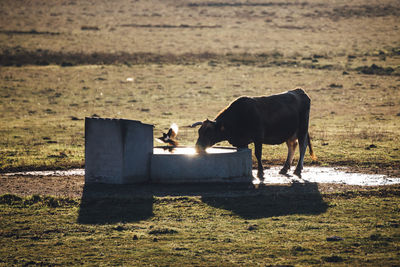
x=62 y=186
x=365 y=11
x=74 y=187
x=246 y=4
x=170 y=26
x=31 y=32
x=346 y=12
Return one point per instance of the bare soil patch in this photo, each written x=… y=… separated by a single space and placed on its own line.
x=62 y=186
x=73 y=187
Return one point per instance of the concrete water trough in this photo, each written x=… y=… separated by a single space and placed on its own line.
x=184 y=165
x=117 y=151
x=122 y=152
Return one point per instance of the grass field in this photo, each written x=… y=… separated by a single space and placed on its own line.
x=279 y=225
x=61 y=62
x=43 y=108
x=183 y=61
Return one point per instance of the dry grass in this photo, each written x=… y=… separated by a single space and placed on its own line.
x=189 y=60
x=307 y=27
x=48 y=104
x=289 y=225
x=64 y=60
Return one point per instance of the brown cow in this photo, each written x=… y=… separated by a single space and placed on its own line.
x=262 y=120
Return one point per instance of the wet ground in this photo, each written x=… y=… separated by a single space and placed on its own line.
x=329 y=175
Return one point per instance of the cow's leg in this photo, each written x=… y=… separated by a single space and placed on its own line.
x=302 y=147
x=258 y=152
x=302 y=137
x=291 y=144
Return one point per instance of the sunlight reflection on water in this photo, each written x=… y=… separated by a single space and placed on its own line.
x=191 y=150
x=325 y=175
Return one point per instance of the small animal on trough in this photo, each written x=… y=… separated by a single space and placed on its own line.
x=262 y=120
x=169 y=137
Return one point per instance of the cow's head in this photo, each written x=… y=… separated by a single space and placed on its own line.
x=210 y=133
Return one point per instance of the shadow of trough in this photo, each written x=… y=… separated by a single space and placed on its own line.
x=108 y=204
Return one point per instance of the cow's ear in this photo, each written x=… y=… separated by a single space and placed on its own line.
x=208 y=123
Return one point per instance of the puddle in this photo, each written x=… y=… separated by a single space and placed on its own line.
x=326 y=175
x=272 y=176
x=191 y=150
x=72 y=172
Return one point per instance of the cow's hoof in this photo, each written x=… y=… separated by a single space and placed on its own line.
x=260 y=175
x=283 y=171
x=297 y=173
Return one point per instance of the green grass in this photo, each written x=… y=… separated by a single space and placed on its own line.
x=285 y=226
x=43 y=108
x=64 y=61
x=188 y=61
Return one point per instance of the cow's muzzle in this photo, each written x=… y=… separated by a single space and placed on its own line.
x=200 y=149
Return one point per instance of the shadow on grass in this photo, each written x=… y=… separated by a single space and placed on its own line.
x=273 y=201
x=108 y=204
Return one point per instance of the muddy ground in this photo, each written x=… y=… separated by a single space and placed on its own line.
x=74 y=186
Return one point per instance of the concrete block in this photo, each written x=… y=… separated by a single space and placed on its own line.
x=117 y=151
x=231 y=165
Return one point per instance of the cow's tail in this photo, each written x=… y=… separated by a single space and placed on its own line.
x=313 y=157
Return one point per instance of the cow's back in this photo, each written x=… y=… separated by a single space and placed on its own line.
x=296 y=100
x=272 y=118
x=282 y=114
